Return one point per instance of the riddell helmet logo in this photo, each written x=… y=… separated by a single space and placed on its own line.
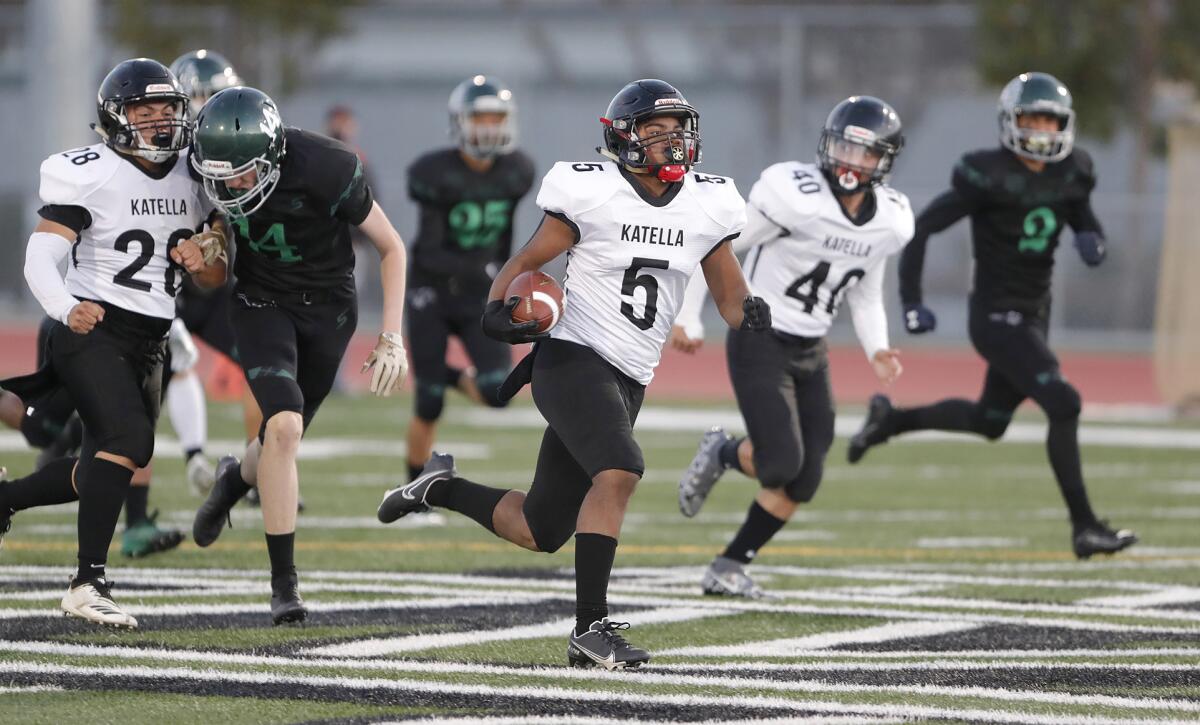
x=858 y=133
x=210 y=165
x=670 y=102
x=160 y=88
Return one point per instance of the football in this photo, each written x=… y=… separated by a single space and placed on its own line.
x=541 y=299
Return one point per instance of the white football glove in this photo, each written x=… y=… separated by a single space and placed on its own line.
x=390 y=362
x=184 y=354
x=212 y=244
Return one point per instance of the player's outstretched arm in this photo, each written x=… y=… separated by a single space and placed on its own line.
x=552 y=237
x=388 y=358
x=48 y=247
x=870 y=324
x=940 y=214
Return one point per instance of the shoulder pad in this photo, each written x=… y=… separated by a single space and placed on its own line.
x=973 y=172
x=422 y=176
x=720 y=199
x=575 y=187
x=899 y=213
x=789 y=193
x=69 y=177
x=1083 y=162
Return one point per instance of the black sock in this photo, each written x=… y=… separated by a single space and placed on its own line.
x=756 y=531
x=414 y=471
x=135 y=505
x=951 y=414
x=191 y=453
x=46 y=486
x=102 y=489
x=1062 y=443
x=471 y=499
x=594 y=554
x=281 y=548
x=729 y=454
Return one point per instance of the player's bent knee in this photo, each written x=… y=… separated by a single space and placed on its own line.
x=551 y=538
x=489 y=388
x=1060 y=400
x=776 y=472
x=135 y=444
x=990 y=423
x=284 y=429
x=430 y=400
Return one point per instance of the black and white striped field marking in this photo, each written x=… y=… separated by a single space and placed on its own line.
x=1167 y=706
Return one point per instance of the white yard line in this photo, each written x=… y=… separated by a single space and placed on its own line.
x=574 y=694
x=787 y=647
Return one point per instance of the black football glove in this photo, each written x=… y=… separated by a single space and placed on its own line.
x=918 y=319
x=1091 y=248
x=497 y=323
x=756 y=314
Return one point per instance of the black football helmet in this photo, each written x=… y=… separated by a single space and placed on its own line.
x=858 y=129
x=634 y=104
x=142 y=80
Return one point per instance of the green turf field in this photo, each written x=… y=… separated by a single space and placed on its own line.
x=934 y=581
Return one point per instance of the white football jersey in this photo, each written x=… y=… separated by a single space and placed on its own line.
x=819 y=256
x=627 y=273
x=135 y=219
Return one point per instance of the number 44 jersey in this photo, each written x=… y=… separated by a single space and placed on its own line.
x=634 y=254
x=808 y=254
x=127 y=220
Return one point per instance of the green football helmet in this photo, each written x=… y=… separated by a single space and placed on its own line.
x=202 y=73
x=1037 y=93
x=238 y=133
x=483 y=94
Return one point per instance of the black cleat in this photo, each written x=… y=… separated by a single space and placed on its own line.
x=874 y=430
x=409 y=498
x=6 y=515
x=602 y=646
x=1097 y=538
x=213 y=514
x=286 y=605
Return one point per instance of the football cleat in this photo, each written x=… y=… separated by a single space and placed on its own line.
x=703 y=472
x=91 y=601
x=213 y=514
x=1098 y=538
x=728 y=578
x=602 y=646
x=286 y=605
x=874 y=430
x=408 y=498
x=200 y=474
x=144 y=538
x=6 y=515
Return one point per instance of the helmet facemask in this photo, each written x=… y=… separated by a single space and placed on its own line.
x=855 y=160
x=170 y=135
x=232 y=201
x=1038 y=144
x=682 y=145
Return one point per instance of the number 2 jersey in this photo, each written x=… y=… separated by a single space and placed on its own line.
x=634 y=254
x=1016 y=218
x=807 y=255
x=466 y=217
x=127 y=219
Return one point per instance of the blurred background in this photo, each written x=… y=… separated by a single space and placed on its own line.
x=762 y=74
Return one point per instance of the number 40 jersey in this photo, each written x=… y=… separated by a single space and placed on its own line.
x=634 y=254
x=807 y=255
x=127 y=220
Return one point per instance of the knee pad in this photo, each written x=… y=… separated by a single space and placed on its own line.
x=429 y=400
x=489 y=383
x=777 y=471
x=1058 y=398
x=551 y=537
x=991 y=423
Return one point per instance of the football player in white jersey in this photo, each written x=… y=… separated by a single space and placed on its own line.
x=818 y=233
x=125 y=213
x=635 y=228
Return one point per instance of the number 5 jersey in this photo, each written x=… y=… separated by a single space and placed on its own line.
x=807 y=255
x=127 y=219
x=634 y=254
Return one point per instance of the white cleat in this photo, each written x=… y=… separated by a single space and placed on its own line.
x=200 y=474
x=92 y=601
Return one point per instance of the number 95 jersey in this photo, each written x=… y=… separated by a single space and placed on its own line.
x=634 y=254
x=818 y=254
x=127 y=220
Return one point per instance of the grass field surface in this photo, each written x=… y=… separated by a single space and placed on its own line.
x=932 y=582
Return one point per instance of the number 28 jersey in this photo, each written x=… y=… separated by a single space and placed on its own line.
x=820 y=254
x=634 y=255
x=127 y=220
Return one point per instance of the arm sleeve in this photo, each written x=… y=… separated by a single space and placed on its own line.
x=759 y=230
x=43 y=255
x=940 y=214
x=867 y=311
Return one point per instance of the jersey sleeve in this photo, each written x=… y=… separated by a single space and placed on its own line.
x=422 y=188
x=343 y=185
x=571 y=189
x=778 y=198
